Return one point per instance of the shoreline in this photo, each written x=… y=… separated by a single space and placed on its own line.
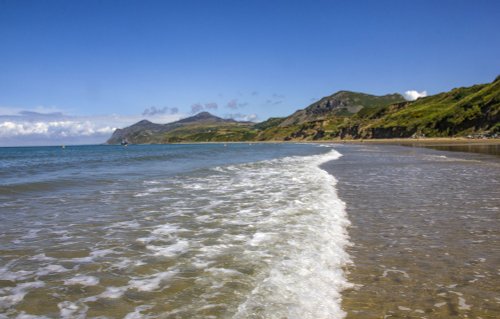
x=479 y=146
x=422 y=229
x=431 y=141
x=489 y=146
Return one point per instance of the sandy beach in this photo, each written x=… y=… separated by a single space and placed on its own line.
x=432 y=141
x=424 y=224
x=455 y=144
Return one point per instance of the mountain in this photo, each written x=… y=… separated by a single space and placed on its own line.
x=340 y=103
x=352 y=115
x=202 y=127
x=135 y=132
x=204 y=118
x=459 y=112
x=310 y=122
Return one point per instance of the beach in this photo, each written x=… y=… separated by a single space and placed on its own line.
x=271 y=230
x=425 y=232
x=458 y=144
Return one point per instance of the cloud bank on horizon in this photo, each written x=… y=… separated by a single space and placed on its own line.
x=51 y=126
x=39 y=127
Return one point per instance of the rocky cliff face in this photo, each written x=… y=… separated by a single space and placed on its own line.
x=340 y=103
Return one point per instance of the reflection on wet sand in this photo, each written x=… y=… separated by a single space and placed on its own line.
x=492 y=149
x=426 y=232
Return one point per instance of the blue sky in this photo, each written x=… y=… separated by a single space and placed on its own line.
x=72 y=71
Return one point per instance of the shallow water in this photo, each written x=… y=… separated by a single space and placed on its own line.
x=173 y=231
x=426 y=232
x=248 y=231
x=490 y=149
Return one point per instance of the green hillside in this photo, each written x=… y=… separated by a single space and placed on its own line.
x=203 y=127
x=234 y=132
x=459 y=112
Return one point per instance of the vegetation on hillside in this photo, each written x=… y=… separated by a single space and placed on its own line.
x=459 y=112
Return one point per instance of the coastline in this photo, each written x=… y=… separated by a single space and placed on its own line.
x=395 y=141
x=482 y=146
x=431 y=141
x=489 y=146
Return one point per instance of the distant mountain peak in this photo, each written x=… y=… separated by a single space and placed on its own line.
x=142 y=122
x=144 y=130
x=203 y=116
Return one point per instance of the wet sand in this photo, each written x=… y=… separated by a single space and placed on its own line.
x=425 y=232
x=483 y=146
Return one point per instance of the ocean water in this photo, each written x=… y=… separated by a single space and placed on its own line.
x=171 y=231
x=249 y=231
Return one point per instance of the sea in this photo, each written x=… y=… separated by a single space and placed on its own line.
x=243 y=230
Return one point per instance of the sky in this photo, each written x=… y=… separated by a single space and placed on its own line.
x=73 y=71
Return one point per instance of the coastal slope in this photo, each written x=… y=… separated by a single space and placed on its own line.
x=466 y=111
x=462 y=111
x=203 y=127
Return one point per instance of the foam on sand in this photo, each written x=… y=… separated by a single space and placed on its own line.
x=153 y=282
x=17 y=293
x=82 y=280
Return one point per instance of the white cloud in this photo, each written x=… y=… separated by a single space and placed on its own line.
x=242 y=117
x=412 y=95
x=251 y=117
x=29 y=127
x=233 y=104
x=197 y=107
x=153 y=110
x=53 y=129
x=211 y=106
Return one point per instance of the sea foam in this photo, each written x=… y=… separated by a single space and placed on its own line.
x=262 y=239
x=306 y=280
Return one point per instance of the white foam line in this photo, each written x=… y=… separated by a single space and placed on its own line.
x=308 y=281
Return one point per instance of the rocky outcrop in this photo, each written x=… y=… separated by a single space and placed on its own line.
x=340 y=103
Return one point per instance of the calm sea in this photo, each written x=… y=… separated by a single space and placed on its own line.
x=171 y=231
x=249 y=231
